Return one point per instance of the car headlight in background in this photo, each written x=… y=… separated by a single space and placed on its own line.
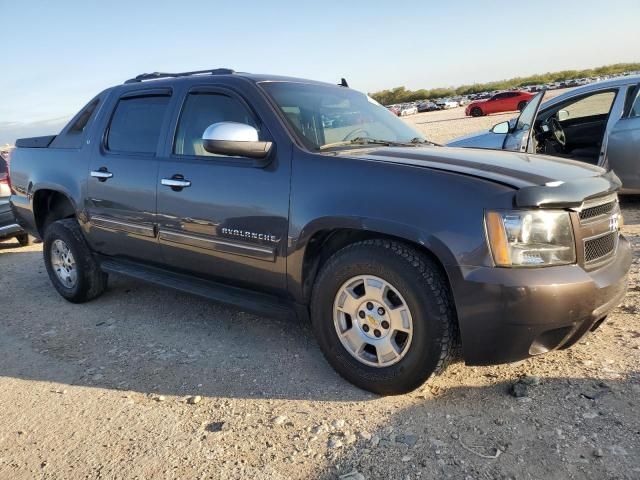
x=530 y=238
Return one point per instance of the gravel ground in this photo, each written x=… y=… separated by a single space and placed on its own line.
x=146 y=382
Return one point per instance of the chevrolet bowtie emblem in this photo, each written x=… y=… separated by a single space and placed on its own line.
x=372 y=320
x=613 y=224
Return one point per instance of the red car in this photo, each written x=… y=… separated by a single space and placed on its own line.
x=500 y=102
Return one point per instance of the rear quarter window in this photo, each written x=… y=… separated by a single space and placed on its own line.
x=75 y=133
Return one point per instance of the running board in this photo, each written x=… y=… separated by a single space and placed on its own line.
x=244 y=299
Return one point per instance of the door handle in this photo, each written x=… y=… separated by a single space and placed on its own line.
x=102 y=174
x=177 y=182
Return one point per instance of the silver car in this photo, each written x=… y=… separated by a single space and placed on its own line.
x=597 y=123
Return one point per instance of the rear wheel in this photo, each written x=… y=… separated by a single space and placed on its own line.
x=25 y=239
x=476 y=112
x=522 y=105
x=71 y=267
x=382 y=314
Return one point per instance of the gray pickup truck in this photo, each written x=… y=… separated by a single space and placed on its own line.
x=288 y=196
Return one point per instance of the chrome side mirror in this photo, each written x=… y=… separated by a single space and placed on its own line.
x=502 y=127
x=234 y=139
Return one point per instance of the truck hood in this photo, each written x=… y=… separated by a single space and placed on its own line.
x=540 y=180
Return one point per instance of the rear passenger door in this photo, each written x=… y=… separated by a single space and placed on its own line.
x=230 y=223
x=121 y=200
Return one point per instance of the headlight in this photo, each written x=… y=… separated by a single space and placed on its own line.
x=530 y=238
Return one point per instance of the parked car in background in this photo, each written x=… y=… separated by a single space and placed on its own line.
x=395 y=109
x=598 y=123
x=447 y=103
x=500 y=102
x=9 y=227
x=408 y=109
x=427 y=107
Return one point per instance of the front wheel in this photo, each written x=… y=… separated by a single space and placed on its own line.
x=522 y=105
x=383 y=317
x=476 y=112
x=71 y=267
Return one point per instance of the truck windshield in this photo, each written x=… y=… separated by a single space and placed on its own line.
x=324 y=115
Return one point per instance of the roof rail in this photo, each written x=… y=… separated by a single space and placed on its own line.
x=157 y=75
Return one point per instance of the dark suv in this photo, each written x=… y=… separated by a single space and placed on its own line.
x=246 y=189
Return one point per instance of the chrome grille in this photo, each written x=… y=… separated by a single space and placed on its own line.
x=600 y=247
x=598 y=229
x=597 y=211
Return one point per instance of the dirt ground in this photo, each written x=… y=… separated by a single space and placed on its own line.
x=146 y=382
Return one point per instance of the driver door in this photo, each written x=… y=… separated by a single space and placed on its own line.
x=228 y=218
x=519 y=138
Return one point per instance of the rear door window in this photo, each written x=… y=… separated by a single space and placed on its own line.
x=136 y=124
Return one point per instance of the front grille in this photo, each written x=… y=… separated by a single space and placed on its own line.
x=597 y=211
x=600 y=247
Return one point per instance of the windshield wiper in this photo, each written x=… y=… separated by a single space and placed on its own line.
x=424 y=141
x=366 y=141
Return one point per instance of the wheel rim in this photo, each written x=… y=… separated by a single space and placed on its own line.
x=373 y=321
x=63 y=263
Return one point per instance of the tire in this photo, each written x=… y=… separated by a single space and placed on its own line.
x=25 y=239
x=90 y=282
x=476 y=112
x=522 y=105
x=420 y=284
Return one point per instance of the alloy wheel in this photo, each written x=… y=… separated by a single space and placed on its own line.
x=373 y=321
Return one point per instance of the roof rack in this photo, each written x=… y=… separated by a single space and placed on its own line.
x=157 y=75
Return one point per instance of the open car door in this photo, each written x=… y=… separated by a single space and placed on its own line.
x=519 y=136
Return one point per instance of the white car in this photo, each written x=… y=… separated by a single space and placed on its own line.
x=408 y=110
x=447 y=103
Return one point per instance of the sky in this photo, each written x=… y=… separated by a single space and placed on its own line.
x=57 y=55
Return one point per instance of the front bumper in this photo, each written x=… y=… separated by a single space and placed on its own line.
x=508 y=314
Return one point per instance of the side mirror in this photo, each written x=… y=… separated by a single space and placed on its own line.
x=502 y=127
x=235 y=139
x=563 y=115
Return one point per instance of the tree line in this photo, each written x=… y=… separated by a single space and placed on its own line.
x=402 y=95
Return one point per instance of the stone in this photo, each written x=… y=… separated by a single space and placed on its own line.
x=338 y=423
x=519 y=390
x=355 y=475
x=334 y=443
x=279 y=420
x=317 y=430
x=349 y=438
x=194 y=400
x=407 y=438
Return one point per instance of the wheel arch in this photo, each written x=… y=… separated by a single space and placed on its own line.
x=322 y=243
x=50 y=205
